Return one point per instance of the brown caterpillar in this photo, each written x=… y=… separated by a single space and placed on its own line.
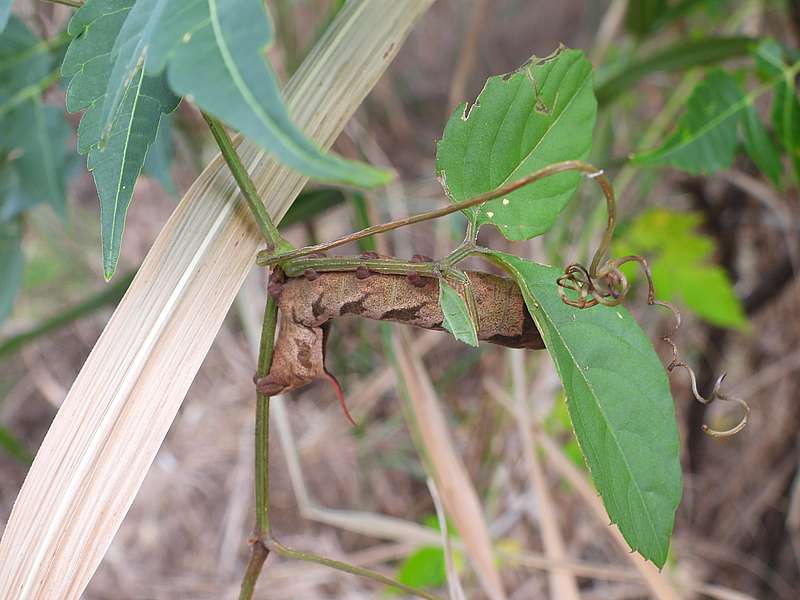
x=308 y=304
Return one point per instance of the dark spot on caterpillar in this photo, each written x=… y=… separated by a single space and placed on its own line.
x=317 y=308
x=310 y=274
x=362 y=272
x=529 y=338
x=356 y=307
x=417 y=280
x=370 y=255
x=304 y=356
x=402 y=314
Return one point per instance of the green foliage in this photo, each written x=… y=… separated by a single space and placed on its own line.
x=457 y=319
x=115 y=159
x=620 y=404
x=10 y=265
x=424 y=568
x=557 y=423
x=214 y=52
x=682 y=55
x=310 y=203
x=160 y=156
x=771 y=62
x=37 y=135
x=645 y=17
x=760 y=147
x=5 y=13
x=680 y=262
x=33 y=150
x=705 y=139
x=541 y=114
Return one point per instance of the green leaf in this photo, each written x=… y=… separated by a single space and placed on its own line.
x=37 y=137
x=25 y=66
x=311 y=203
x=683 y=55
x=160 y=156
x=760 y=147
x=128 y=54
x=648 y=16
x=620 y=404
x=679 y=258
x=424 y=568
x=705 y=289
x=541 y=114
x=11 y=264
x=770 y=59
x=214 y=52
x=33 y=150
x=5 y=13
x=643 y=16
x=115 y=162
x=705 y=140
x=12 y=200
x=457 y=319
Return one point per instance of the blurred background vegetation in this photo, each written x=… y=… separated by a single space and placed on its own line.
x=721 y=229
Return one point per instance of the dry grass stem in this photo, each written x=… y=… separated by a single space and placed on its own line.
x=562 y=583
x=451 y=477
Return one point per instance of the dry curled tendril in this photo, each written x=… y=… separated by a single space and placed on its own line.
x=605 y=283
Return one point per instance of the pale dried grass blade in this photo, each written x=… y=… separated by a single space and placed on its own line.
x=106 y=434
x=562 y=582
x=448 y=471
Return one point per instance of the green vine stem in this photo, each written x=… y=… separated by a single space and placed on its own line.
x=270 y=258
x=259 y=550
x=388 y=265
x=275 y=242
x=347 y=568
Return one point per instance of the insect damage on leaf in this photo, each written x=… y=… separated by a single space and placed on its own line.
x=539 y=115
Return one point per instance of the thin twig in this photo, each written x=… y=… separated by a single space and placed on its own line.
x=347 y=568
x=267 y=259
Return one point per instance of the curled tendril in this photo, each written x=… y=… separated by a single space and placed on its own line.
x=605 y=283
